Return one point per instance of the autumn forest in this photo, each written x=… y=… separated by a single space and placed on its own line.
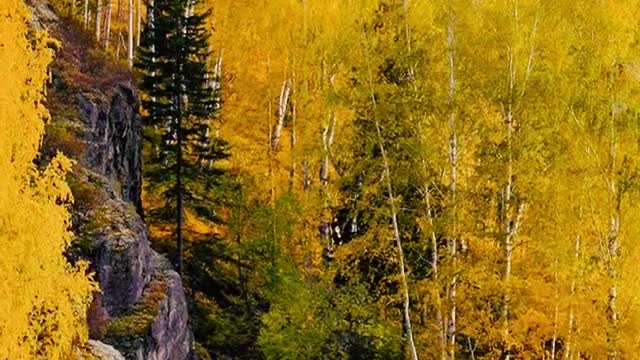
x=336 y=179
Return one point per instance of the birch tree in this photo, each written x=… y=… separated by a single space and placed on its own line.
x=394 y=220
x=130 y=29
x=85 y=13
x=98 y=20
x=452 y=238
x=107 y=24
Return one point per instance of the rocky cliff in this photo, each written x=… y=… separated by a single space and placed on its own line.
x=141 y=309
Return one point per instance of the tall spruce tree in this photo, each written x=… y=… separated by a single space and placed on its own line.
x=181 y=100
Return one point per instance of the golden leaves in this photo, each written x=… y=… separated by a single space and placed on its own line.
x=42 y=312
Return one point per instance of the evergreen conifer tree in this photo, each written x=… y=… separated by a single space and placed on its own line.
x=181 y=100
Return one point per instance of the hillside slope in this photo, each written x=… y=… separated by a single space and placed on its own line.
x=142 y=309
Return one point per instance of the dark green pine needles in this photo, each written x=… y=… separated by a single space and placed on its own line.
x=181 y=100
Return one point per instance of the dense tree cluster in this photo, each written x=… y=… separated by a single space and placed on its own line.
x=458 y=177
x=408 y=179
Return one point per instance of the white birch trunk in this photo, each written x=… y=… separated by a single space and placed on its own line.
x=328 y=131
x=506 y=218
x=394 y=216
x=138 y=22
x=612 y=246
x=556 y=309
x=282 y=112
x=407 y=35
x=107 y=28
x=396 y=234
x=85 y=12
x=292 y=169
x=511 y=222
x=568 y=354
x=98 y=20
x=130 y=43
x=216 y=84
x=510 y=225
x=452 y=239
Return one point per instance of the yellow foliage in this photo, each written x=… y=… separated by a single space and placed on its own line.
x=558 y=69
x=44 y=301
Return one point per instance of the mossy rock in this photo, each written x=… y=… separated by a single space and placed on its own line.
x=96 y=350
x=201 y=352
x=89 y=216
x=127 y=333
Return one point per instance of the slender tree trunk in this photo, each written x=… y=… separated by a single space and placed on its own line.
x=270 y=138
x=508 y=224
x=179 y=185
x=612 y=246
x=179 y=210
x=512 y=231
x=292 y=168
x=180 y=97
x=453 y=161
x=119 y=43
x=396 y=233
x=98 y=20
x=217 y=71
x=472 y=349
x=510 y=221
x=151 y=23
x=282 y=112
x=394 y=214
x=568 y=354
x=130 y=43
x=138 y=22
x=306 y=177
x=407 y=35
x=217 y=77
x=272 y=189
x=442 y=322
x=107 y=28
x=328 y=131
x=556 y=309
x=241 y=280
x=85 y=12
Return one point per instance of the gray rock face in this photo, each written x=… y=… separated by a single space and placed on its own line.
x=114 y=139
x=123 y=258
x=43 y=14
x=170 y=337
x=96 y=350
